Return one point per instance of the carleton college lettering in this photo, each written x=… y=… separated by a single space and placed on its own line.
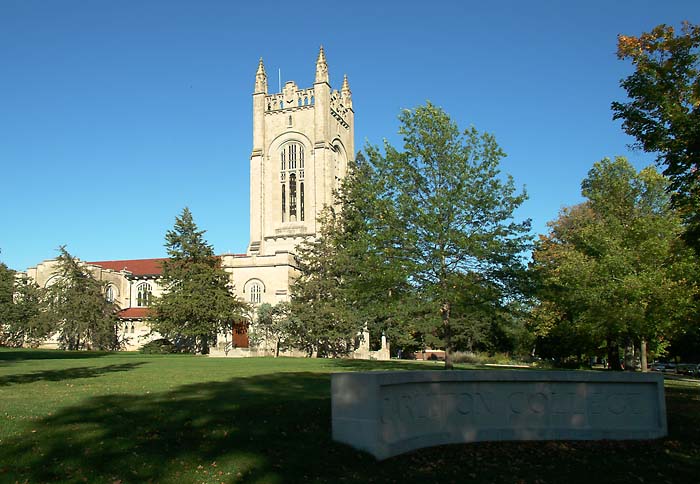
x=390 y=413
x=408 y=412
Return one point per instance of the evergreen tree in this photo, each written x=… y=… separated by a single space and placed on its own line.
x=77 y=308
x=321 y=322
x=198 y=301
x=346 y=282
x=26 y=326
x=7 y=283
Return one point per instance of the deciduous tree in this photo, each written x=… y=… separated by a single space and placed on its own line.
x=614 y=268
x=454 y=215
x=273 y=326
x=663 y=112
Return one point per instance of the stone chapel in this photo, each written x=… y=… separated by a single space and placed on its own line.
x=303 y=140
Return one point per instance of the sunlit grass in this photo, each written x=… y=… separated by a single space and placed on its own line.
x=118 y=418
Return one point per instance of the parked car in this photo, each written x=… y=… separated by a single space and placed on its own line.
x=663 y=367
x=691 y=369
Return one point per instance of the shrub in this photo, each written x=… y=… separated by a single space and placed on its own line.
x=158 y=347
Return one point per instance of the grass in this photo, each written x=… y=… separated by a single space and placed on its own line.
x=123 y=418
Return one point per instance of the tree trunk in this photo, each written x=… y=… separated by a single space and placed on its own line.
x=448 y=335
x=643 y=354
x=277 y=348
x=629 y=355
x=613 y=355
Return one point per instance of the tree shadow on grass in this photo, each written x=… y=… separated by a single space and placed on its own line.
x=8 y=355
x=66 y=374
x=277 y=428
x=391 y=365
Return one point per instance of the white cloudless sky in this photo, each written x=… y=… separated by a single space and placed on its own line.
x=116 y=115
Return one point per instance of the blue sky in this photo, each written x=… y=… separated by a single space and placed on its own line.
x=116 y=115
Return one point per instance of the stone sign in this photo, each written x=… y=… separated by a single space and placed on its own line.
x=389 y=413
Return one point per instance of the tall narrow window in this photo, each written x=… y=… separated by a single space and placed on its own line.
x=291 y=181
x=144 y=294
x=255 y=293
x=292 y=197
x=301 y=201
x=284 y=207
x=292 y=156
x=109 y=294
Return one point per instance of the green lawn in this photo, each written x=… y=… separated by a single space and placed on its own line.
x=121 y=418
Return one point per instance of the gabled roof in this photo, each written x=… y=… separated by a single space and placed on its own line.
x=138 y=267
x=133 y=313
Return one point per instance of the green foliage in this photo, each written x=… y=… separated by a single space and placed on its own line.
x=424 y=250
x=453 y=224
x=7 y=306
x=272 y=325
x=25 y=324
x=321 y=320
x=159 y=346
x=348 y=278
x=198 y=301
x=178 y=419
x=663 y=113
x=20 y=307
x=76 y=308
x=613 y=269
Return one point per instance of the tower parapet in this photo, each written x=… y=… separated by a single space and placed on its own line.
x=291 y=97
x=302 y=143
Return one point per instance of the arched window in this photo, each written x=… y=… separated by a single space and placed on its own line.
x=144 y=293
x=109 y=294
x=291 y=179
x=255 y=293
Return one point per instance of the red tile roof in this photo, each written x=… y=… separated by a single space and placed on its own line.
x=133 y=313
x=138 y=267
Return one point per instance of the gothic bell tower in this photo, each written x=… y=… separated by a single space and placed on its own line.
x=303 y=139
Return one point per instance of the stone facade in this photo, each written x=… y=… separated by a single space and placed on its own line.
x=389 y=413
x=303 y=141
x=129 y=283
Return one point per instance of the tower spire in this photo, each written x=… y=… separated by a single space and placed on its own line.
x=345 y=91
x=261 y=78
x=321 y=67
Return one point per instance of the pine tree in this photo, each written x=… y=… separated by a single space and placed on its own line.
x=77 y=308
x=198 y=301
x=346 y=283
x=21 y=303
